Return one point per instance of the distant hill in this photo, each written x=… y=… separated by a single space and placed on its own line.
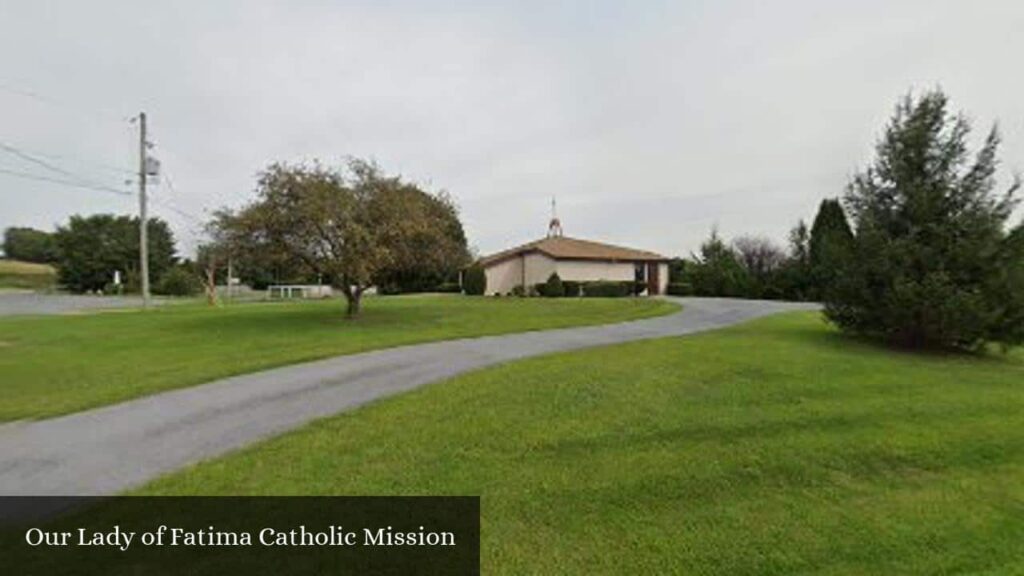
x=26 y=275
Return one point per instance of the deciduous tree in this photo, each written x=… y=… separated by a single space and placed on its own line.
x=91 y=248
x=763 y=261
x=29 y=245
x=354 y=226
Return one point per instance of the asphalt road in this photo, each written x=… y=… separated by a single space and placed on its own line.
x=108 y=450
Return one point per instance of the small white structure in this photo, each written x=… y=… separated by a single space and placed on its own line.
x=291 y=291
x=572 y=259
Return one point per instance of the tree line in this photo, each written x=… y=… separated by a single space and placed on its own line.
x=920 y=251
x=352 y=227
x=87 y=251
x=756 y=267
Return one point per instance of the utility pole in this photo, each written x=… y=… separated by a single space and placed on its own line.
x=143 y=223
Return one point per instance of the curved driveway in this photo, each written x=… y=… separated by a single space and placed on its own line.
x=107 y=450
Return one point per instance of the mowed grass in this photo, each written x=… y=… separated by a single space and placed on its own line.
x=776 y=447
x=26 y=275
x=58 y=364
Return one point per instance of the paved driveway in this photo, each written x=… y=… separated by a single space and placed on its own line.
x=110 y=449
x=15 y=303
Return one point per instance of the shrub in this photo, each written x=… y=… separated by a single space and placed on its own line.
x=474 y=280
x=680 y=289
x=572 y=288
x=179 y=282
x=553 y=288
x=607 y=289
x=518 y=290
x=449 y=288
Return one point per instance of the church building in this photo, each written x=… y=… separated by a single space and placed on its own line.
x=573 y=259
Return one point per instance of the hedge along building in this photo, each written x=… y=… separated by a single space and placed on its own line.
x=572 y=259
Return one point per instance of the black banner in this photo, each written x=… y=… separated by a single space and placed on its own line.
x=239 y=535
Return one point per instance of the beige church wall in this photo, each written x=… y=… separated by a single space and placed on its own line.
x=504 y=276
x=538 y=268
x=585 y=270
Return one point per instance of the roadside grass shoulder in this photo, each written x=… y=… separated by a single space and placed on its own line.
x=58 y=364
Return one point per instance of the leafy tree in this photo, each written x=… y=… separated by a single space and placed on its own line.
x=355 y=226
x=29 y=245
x=830 y=244
x=91 y=248
x=762 y=261
x=211 y=261
x=474 y=280
x=428 y=259
x=255 y=259
x=179 y=281
x=716 y=270
x=931 y=262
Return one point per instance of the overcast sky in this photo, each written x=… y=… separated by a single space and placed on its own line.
x=650 y=121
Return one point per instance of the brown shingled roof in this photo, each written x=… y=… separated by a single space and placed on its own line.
x=564 y=248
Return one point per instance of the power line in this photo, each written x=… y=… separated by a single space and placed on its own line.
x=74 y=160
x=107 y=115
x=71 y=183
x=177 y=210
x=44 y=164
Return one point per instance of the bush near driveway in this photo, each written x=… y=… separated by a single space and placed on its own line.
x=680 y=289
x=608 y=289
x=553 y=288
x=573 y=288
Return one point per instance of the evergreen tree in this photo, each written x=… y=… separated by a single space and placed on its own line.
x=474 y=280
x=717 y=271
x=554 y=288
x=796 y=272
x=931 y=262
x=830 y=243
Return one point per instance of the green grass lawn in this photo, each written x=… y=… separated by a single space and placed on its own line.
x=776 y=447
x=58 y=364
x=26 y=275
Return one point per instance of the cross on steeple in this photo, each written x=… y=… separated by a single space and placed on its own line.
x=555 y=225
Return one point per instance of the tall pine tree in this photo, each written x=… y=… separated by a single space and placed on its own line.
x=932 y=263
x=830 y=244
